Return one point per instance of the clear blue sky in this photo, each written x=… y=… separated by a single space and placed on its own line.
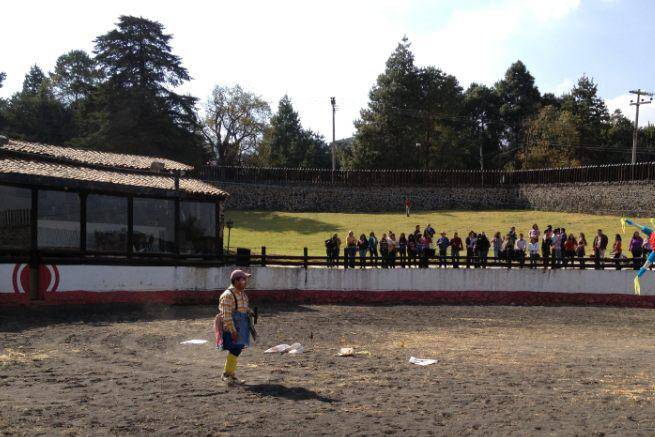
x=314 y=50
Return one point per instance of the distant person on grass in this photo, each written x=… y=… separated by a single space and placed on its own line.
x=545 y=245
x=412 y=251
x=636 y=248
x=519 y=249
x=408 y=205
x=533 y=248
x=392 y=249
x=600 y=246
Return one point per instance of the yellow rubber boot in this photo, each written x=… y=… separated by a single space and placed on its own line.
x=230 y=365
x=637 y=287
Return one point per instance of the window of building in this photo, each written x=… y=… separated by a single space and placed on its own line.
x=15 y=211
x=58 y=220
x=197 y=228
x=154 y=225
x=106 y=223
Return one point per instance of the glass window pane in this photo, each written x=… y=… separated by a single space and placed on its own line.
x=197 y=227
x=15 y=210
x=59 y=220
x=106 y=223
x=154 y=225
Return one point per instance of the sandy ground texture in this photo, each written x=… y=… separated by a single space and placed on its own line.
x=502 y=371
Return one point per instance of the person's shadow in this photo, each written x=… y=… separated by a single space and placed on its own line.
x=293 y=393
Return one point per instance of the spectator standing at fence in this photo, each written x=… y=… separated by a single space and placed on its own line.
x=497 y=245
x=470 y=248
x=563 y=239
x=545 y=245
x=556 y=249
x=512 y=243
x=373 y=249
x=569 y=249
x=442 y=243
x=482 y=245
x=600 y=246
x=506 y=250
x=636 y=249
x=408 y=205
x=384 y=250
x=534 y=232
x=393 y=248
x=581 y=249
x=617 y=251
x=430 y=230
x=519 y=249
x=411 y=251
x=417 y=233
x=362 y=245
x=533 y=248
x=402 y=249
x=328 y=252
x=425 y=249
x=456 y=247
x=350 y=250
x=336 y=249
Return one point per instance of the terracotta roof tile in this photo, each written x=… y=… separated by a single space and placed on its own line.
x=91 y=157
x=75 y=172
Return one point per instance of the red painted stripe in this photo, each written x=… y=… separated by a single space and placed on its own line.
x=340 y=297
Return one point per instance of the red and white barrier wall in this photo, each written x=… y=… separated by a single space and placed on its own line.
x=96 y=284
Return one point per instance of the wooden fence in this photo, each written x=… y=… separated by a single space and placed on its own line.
x=642 y=171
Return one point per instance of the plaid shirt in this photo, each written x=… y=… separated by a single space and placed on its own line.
x=226 y=306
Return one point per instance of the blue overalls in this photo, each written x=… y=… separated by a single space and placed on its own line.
x=243 y=334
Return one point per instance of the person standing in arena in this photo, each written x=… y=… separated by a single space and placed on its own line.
x=234 y=312
x=408 y=205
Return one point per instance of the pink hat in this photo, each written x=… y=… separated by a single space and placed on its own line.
x=238 y=274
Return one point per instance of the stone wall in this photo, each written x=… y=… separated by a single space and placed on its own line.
x=636 y=198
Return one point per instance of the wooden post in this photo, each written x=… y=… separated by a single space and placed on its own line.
x=263 y=256
x=305 y=260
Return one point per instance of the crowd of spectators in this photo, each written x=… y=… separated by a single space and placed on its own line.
x=553 y=248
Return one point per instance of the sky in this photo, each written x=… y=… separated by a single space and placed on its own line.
x=312 y=50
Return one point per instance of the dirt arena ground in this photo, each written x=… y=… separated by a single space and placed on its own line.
x=501 y=371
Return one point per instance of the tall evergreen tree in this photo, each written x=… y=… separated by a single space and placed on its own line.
x=75 y=76
x=411 y=119
x=387 y=132
x=482 y=111
x=520 y=101
x=35 y=114
x=138 y=112
x=289 y=145
x=592 y=118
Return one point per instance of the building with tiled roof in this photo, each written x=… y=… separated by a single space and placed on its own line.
x=67 y=199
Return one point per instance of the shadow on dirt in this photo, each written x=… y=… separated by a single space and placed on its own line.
x=292 y=393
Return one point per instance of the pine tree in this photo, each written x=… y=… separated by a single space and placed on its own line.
x=137 y=110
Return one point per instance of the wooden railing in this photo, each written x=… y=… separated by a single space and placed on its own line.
x=306 y=261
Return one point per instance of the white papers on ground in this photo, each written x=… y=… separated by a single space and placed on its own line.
x=422 y=361
x=295 y=348
x=194 y=341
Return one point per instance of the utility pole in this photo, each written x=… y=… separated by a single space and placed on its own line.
x=637 y=103
x=333 y=102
